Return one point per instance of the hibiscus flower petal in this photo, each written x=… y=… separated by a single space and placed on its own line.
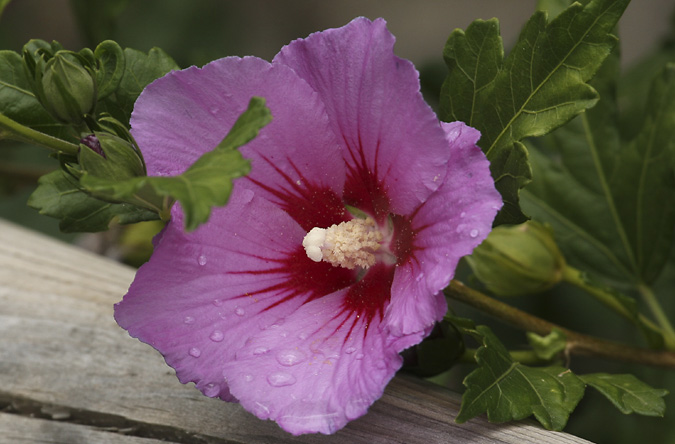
x=294 y=158
x=393 y=145
x=196 y=300
x=217 y=320
x=449 y=225
x=320 y=368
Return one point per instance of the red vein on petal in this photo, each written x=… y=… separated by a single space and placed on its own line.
x=308 y=204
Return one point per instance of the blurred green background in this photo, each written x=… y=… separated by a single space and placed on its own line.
x=199 y=31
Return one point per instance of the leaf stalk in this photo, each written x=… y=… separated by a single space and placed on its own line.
x=10 y=129
x=577 y=343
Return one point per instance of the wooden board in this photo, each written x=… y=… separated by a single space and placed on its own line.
x=69 y=374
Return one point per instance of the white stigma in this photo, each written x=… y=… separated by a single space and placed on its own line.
x=350 y=244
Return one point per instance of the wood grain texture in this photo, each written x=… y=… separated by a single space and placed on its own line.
x=64 y=361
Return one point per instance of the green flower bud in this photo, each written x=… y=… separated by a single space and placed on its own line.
x=108 y=156
x=68 y=89
x=518 y=260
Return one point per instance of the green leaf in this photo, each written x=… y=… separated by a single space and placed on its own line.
x=140 y=69
x=110 y=70
x=628 y=394
x=540 y=86
x=547 y=347
x=58 y=195
x=206 y=183
x=508 y=390
x=611 y=202
x=17 y=100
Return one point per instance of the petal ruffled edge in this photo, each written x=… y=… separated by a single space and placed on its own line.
x=448 y=226
x=186 y=113
x=392 y=142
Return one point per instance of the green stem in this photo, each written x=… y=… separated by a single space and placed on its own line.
x=656 y=309
x=11 y=129
x=577 y=343
x=605 y=297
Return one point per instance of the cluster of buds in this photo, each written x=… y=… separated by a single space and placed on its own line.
x=68 y=84
x=63 y=81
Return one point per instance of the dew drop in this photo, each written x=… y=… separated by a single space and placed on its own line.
x=195 y=352
x=419 y=277
x=247 y=196
x=291 y=357
x=281 y=379
x=211 y=390
x=359 y=356
x=350 y=350
x=462 y=214
x=201 y=260
x=248 y=378
x=260 y=350
x=473 y=233
x=189 y=320
x=218 y=302
x=214 y=110
x=239 y=311
x=217 y=336
x=302 y=336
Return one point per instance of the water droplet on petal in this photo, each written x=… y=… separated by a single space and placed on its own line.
x=201 y=260
x=247 y=195
x=217 y=336
x=462 y=214
x=359 y=356
x=302 y=336
x=218 y=302
x=195 y=352
x=189 y=320
x=248 y=378
x=260 y=350
x=350 y=350
x=211 y=390
x=214 y=110
x=473 y=233
x=239 y=311
x=291 y=357
x=419 y=277
x=281 y=379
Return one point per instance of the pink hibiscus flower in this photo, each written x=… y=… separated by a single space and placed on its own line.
x=356 y=167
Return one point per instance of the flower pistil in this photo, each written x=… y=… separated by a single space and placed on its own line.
x=349 y=244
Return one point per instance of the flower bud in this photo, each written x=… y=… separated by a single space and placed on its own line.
x=68 y=89
x=108 y=156
x=518 y=260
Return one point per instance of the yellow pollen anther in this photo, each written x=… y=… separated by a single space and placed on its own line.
x=350 y=244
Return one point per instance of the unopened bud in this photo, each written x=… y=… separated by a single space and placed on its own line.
x=518 y=260
x=68 y=89
x=108 y=156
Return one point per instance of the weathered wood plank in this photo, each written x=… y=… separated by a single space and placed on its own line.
x=24 y=430
x=61 y=349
